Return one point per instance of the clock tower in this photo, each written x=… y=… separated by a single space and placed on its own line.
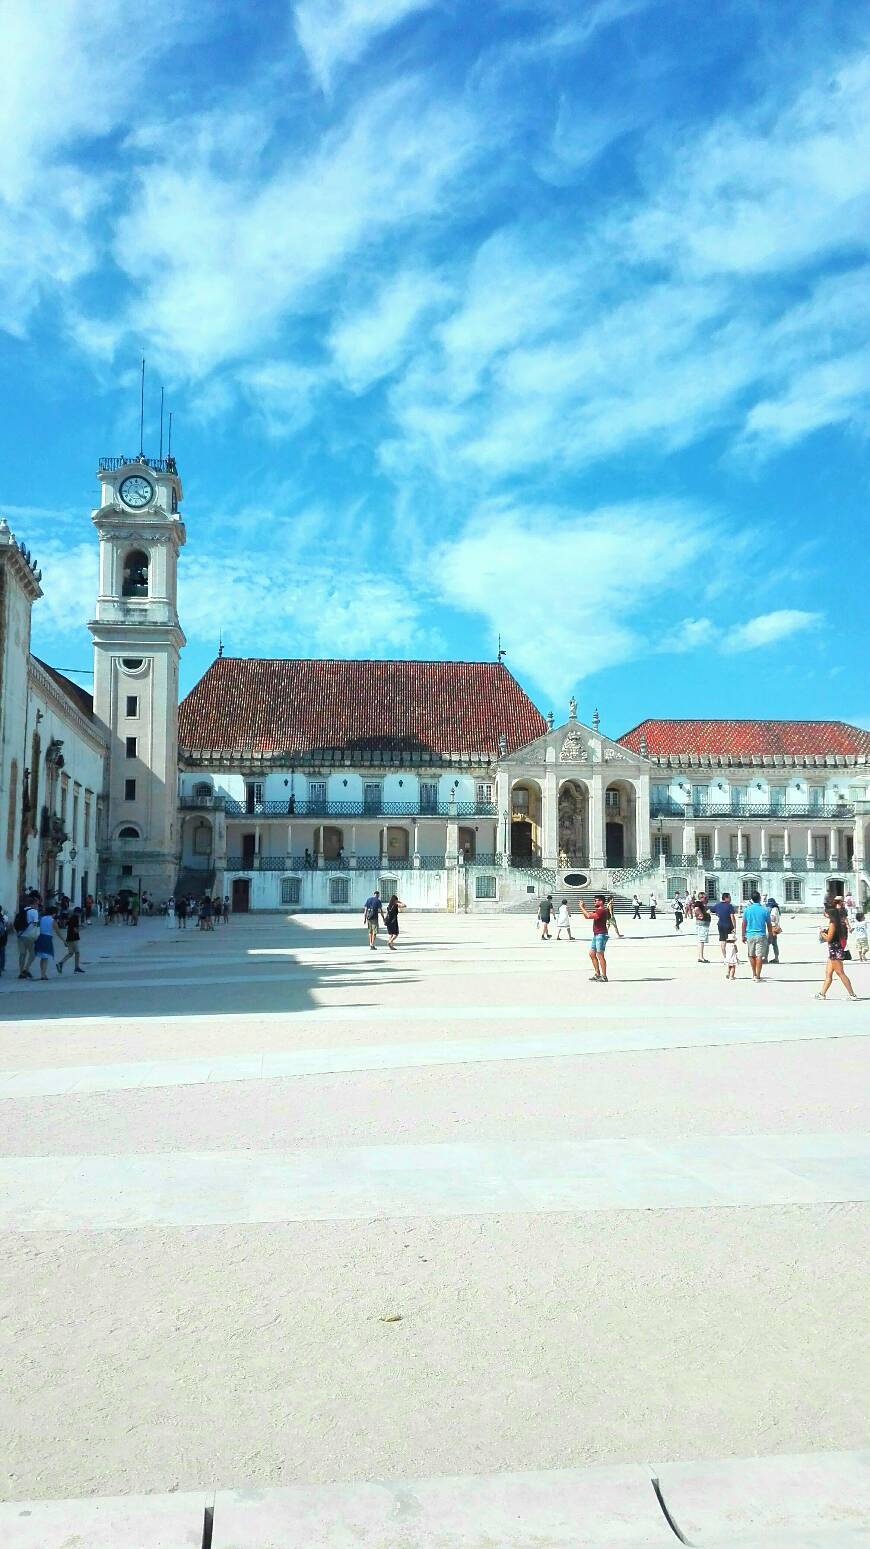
x=137 y=640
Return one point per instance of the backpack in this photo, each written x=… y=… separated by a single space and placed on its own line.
x=20 y=922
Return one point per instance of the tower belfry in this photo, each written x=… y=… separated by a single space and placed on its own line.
x=137 y=641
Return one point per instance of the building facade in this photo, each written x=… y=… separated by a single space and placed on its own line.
x=303 y=784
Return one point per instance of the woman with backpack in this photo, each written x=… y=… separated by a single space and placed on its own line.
x=775 y=929
x=26 y=927
x=835 y=934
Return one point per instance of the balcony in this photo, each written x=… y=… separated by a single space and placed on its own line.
x=294 y=808
x=156 y=464
x=776 y=809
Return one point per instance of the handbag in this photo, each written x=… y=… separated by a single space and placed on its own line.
x=847 y=956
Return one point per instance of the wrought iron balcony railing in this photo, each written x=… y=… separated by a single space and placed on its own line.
x=750 y=809
x=294 y=808
x=156 y=464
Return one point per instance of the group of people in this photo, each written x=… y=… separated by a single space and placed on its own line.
x=374 y=911
x=758 y=923
x=205 y=911
x=36 y=926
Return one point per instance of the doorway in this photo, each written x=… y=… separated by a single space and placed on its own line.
x=241 y=901
x=615 y=841
x=249 y=850
x=521 y=840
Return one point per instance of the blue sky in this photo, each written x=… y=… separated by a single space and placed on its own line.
x=527 y=316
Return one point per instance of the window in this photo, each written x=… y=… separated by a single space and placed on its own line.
x=815 y=796
x=64 y=788
x=705 y=846
x=126 y=871
x=317 y=793
x=820 y=847
x=129 y=790
x=75 y=819
x=776 y=846
x=202 y=790
x=428 y=795
x=520 y=799
x=339 y=890
x=131 y=746
x=794 y=890
x=253 y=795
x=700 y=795
x=739 y=795
x=371 y=796
x=711 y=888
x=291 y=890
x=677 y=885
x=659 y=795
x=484 y=887
x=129 y=832
x=387 y=886
x=132 y=663
x=733 y=850
x=86 y=836
x=132 y=705
x=135 y=579
x=661 y=846
x=777 y=797
x=750 y=885
x=484 y=793
x=611 y=801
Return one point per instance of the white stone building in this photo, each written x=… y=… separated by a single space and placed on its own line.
x=293 y=784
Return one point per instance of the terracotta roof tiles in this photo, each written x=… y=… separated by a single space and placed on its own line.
x=797 y=739
x=291 y=706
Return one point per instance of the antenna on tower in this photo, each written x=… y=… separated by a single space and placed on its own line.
x=502 y=653
x=162 y=391
x=142 y=411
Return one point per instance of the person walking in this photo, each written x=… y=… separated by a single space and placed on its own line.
x=835 y=934
x=545 y=915
x=653 y=905
x=26 y=927
x=170 y=914
x=756 y=934
x=226 y=913
x=702 y=926
x=859 y=933
x=563 y=920
x=635 y=904
x=731 y=958
x=677 y=907
x=597 y=952
x=611 y=915
x=726 y=919
x=4 y=937
x=44 y=947
x=775 y=928
x=373 y=911
x=73 y=943
x=391 y=920
x=181 y=913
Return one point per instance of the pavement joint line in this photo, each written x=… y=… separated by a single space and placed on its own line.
x=69 y=1193
x=299 y=1064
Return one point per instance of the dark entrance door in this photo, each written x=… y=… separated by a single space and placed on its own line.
x=248 y=848
x=615 y=842
x=836 y=887
x=521 y=840
x=241 y=895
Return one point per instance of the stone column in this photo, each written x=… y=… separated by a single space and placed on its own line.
x=717 y=849
x=452 y=841
x=833 y=849
x=689 y=840
x=763 y=856
x=353 y=846
x=597 y=830
x=643 y=838
x=741 y=858
x=810 y=858
x=550 y=816
x=858 y=843
x=786 y=849
x=417 y=844
x=320 y=857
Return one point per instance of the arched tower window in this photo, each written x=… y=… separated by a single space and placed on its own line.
x=129 y=832
x=135 y=583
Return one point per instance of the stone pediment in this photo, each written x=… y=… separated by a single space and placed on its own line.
x=573 y=743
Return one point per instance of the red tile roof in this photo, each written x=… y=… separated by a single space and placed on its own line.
x=83 y=701
x=294 y=706
x=798 y=739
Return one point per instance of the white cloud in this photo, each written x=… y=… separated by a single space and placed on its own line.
x=610 y=562
x=370 y=343
x=70 y=573
x=830 y=393
x=283 y=392
x=338 y=32
x=769 y=629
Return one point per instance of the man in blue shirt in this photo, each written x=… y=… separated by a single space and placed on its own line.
x=726 y=918
x=756 y=934
x=372 y=912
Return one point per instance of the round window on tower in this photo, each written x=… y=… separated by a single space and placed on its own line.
x=133 y=663
x=135 y=582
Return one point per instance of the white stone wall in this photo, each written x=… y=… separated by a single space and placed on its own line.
x=73 y=793
x=16 y=600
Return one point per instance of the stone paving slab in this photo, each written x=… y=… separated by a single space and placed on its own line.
x=107 y=1522
x=748 y=1500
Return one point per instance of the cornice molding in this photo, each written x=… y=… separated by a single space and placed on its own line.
x=42 y=681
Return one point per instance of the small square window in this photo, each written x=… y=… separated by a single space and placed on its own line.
x=132 y=704
x=678 y=885
x=794 y=890
x=484 y=793
x=129 y=790
x=339 y=890
x=131 y=746
x=387 y=886
x=750 y=885
x=291 y=890
x=484 y=887
x=127 y=871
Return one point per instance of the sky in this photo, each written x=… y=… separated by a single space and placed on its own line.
x=540 y=319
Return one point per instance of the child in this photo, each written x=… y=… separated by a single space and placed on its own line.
x=563 y=921
x=731 y=958
x=859 y=931
x=73 y=943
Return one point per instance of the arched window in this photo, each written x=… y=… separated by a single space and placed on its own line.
x=135 y=582
x=129 y=832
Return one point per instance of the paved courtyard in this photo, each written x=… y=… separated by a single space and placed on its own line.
x=283 y=1215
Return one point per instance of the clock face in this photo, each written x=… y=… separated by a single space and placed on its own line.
x=136 y=491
